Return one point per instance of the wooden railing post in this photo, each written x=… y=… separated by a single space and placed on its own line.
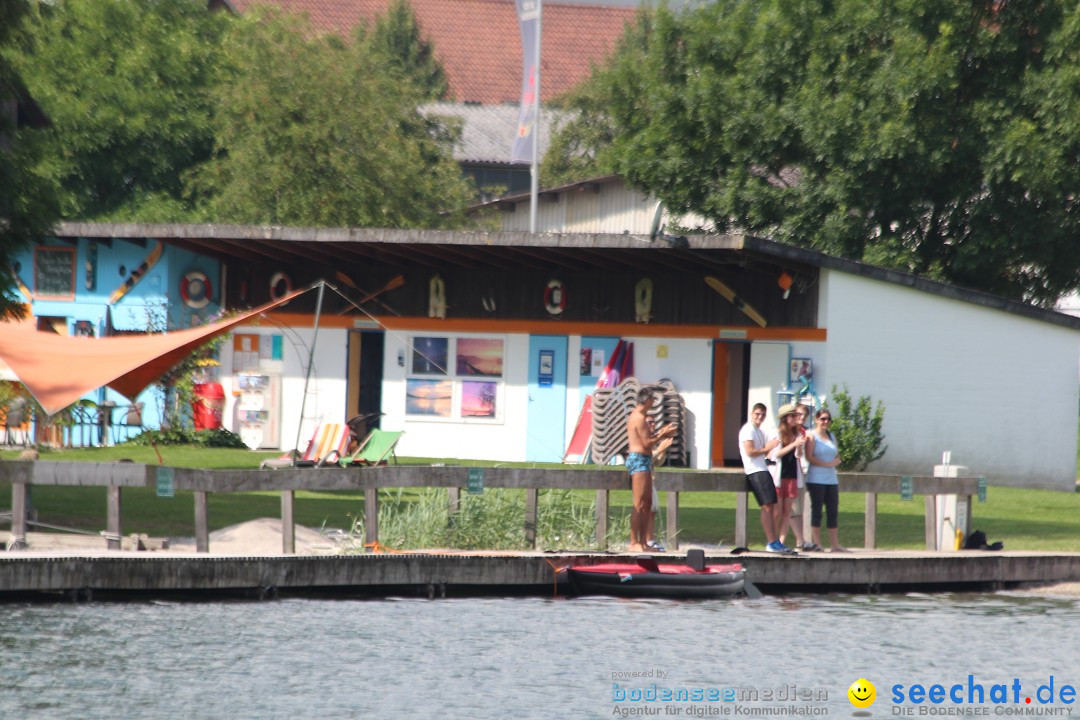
x=288 y=527
x=454 y=495
x=931 y=522
x=601 y=519
x=371 y=516
x=531 y=498
x=18 y=516
x=968 y=518
x=202 y=523
x=673 y=520
x=113 y=534
x=740 y=518
x=870 y=522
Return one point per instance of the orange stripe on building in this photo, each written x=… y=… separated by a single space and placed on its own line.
x=561 y=327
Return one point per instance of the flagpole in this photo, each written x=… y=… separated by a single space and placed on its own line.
x=535 y=169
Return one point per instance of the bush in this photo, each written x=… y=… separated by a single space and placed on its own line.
x=184 y=436
x=857 y=431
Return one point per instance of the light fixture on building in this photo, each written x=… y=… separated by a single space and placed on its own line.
x=785 y=281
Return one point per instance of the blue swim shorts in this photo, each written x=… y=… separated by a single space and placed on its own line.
x=638 y=463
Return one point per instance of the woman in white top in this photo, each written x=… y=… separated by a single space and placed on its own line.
x=821 y=482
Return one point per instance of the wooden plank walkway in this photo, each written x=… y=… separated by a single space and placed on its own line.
x=114 y=574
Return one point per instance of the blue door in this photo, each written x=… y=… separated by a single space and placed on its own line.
x=547 y=398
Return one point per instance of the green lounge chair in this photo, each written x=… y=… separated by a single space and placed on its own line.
x=376 y=448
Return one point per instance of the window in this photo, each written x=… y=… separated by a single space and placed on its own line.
x=54 y=273
x=457 y=379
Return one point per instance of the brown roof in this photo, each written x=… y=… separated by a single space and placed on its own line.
x=478 y=41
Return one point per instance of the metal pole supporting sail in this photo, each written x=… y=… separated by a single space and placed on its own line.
x=310 y=365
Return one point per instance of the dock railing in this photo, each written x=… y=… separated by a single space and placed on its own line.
x=115 y=476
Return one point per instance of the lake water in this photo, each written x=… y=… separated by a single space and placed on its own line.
x=526 y=657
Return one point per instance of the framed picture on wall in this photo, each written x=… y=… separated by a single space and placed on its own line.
x=430 y=355
x=478 y=398
x=800 y=367
x=480 y=356
x=429 y=397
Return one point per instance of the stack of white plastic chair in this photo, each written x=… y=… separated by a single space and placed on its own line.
x=671 y=409
x=612 y=407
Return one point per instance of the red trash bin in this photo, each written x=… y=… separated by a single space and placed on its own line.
x=208 y=405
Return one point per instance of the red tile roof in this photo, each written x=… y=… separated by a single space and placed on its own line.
x=478 y=41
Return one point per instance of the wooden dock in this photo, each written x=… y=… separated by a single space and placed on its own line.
x=112 y=572
x=105 y=575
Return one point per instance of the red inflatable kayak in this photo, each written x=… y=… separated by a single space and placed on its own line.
x=645 y=578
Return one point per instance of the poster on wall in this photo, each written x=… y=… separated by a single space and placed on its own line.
x=478 y=398
x=480 y=356
x=586 y=361
x=597 y=362
x=546 y=368
x=800 y=368
x=430 y=355
x=428 y=397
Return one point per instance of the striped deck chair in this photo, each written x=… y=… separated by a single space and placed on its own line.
x=327 y=445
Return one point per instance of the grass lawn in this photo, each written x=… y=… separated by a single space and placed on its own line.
x=1022 y=519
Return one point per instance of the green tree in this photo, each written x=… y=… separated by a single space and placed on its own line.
x=28 y=195
x=126 y=85
x=583 y=136
x=857 y=427
x=315 y=131
x=397 y=35
x=932 y=136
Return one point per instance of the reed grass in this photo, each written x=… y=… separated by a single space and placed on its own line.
x=491 y=520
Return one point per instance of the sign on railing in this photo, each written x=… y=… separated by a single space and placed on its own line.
x=476 y=481
x=164 y=482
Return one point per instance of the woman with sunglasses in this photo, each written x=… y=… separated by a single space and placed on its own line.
x=821 y=481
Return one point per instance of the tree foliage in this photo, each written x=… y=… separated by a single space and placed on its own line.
x=857 y=427
x=311 y=130
x=932 y=136
x=126 y=85
x=28 y=198
x=397 y=35
x=583 y=141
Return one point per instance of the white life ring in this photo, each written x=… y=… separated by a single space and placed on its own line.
x=280 y=285
x=195 y=289
x=555 y=297
x=437 y=297
x=643 y=300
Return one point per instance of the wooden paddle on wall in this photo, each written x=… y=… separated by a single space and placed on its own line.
x=394 y=283
x=729 y=295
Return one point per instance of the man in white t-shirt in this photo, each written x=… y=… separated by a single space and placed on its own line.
x=754 y=449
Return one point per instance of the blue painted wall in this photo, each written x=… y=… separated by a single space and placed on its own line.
x=547 y=404
x=154 y=301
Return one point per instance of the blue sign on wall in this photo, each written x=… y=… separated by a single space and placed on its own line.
x=546 y=375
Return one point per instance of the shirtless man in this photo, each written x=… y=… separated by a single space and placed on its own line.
x=643 y=443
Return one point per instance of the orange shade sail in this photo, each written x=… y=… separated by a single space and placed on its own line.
x=59 y=369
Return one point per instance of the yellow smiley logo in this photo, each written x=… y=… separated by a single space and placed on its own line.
x=862 y=693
